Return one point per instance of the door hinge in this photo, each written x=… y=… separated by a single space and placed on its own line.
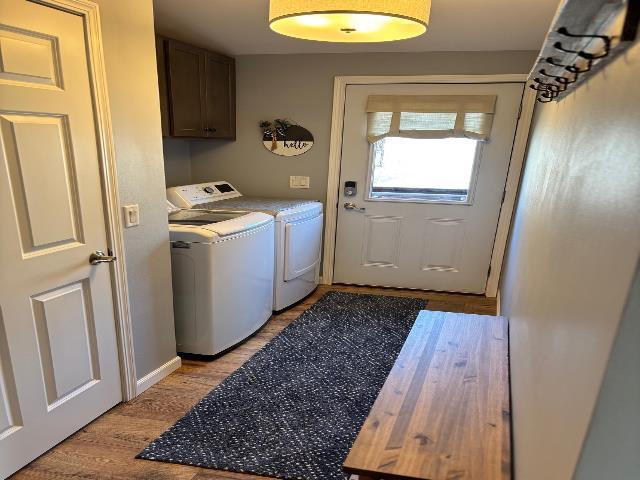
x=520 y=111
x=504 y=195
x=489 y=272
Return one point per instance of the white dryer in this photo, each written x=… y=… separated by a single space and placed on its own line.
x=298 y=233
x=222 y=266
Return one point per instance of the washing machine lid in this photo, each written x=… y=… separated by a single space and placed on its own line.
x=278 y=207
x=206 y=226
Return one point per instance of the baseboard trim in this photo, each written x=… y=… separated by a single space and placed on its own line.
x=158 y=374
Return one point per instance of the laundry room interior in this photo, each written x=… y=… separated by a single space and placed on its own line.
x=320 y=240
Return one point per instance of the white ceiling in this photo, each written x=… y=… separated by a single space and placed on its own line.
x=240 y=27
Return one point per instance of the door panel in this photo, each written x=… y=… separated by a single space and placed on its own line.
x=66 y=340
x=45 y=194
x=28 y=58
x=442 y=247
x=58 y=353
x=431 y=243
x=10 y=417
x=381 y=245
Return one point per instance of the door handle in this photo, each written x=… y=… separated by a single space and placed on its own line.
x=352 y=206
x=99 y=257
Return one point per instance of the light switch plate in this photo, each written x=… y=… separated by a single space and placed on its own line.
x=131 y=215
x=296 y=181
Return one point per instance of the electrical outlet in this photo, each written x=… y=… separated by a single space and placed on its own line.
x=296 y=181
x=131 y=215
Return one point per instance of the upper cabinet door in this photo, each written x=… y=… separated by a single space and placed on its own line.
x=197 y=91
x=220 y=96
x=186 y=68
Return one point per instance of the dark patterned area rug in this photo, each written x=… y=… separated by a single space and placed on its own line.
x=294 y=409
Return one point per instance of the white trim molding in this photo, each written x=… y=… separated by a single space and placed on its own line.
x=335 y=156
x=511 y=188
x=89 y=11
x=158 y=374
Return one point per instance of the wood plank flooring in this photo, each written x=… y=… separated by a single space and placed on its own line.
x=105 y=449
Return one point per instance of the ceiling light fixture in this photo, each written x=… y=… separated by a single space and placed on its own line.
x=349 y=20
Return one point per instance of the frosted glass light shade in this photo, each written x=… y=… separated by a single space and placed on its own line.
x=349 y=20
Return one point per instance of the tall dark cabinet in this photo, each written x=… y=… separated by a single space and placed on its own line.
x=197 y=91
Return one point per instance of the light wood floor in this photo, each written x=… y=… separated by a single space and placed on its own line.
x=105 y=449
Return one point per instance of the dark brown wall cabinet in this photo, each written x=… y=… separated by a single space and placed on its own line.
x=197 y=91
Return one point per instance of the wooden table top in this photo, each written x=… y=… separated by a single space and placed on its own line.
x=444 y=410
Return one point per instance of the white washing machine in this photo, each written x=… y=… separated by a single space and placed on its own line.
x=222 y=265
x=298 y=233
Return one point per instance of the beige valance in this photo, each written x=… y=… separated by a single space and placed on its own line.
x=430 y=116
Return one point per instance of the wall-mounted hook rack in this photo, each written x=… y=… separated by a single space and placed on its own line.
x=585 y=36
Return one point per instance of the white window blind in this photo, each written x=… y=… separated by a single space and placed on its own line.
x=430 y=116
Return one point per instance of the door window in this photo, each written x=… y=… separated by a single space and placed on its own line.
x=441 y=170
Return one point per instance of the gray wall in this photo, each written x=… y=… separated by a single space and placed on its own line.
x=572 y=256
x=611 y=447
x=300 y=87
x=177 y=161
x=129 y=49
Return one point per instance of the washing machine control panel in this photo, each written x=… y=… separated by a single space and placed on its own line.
x=189 y=196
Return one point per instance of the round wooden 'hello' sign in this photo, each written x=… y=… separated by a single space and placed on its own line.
x=285 y=138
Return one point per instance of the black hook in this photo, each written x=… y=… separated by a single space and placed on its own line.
x=552 y=61
x=547 y=96
x=606 y=39
x=551 y=86
x=539 y=89
x=547 y=92
x=543 y=72
x=581 y=53
x=542 y=88
x=576 y=70
x=562 y=80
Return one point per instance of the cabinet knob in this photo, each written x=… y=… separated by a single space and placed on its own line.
x=209 y=129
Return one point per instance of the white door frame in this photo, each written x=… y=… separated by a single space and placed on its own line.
x=513 y=177
x=90 y=14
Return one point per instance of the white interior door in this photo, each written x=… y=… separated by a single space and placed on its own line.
x=425 y=212
x=58 y=353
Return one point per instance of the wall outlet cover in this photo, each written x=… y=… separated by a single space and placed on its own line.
x=297 y=181
x=131 y=215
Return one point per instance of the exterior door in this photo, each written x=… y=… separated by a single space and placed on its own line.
x=425 y=211
x=58 y=353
